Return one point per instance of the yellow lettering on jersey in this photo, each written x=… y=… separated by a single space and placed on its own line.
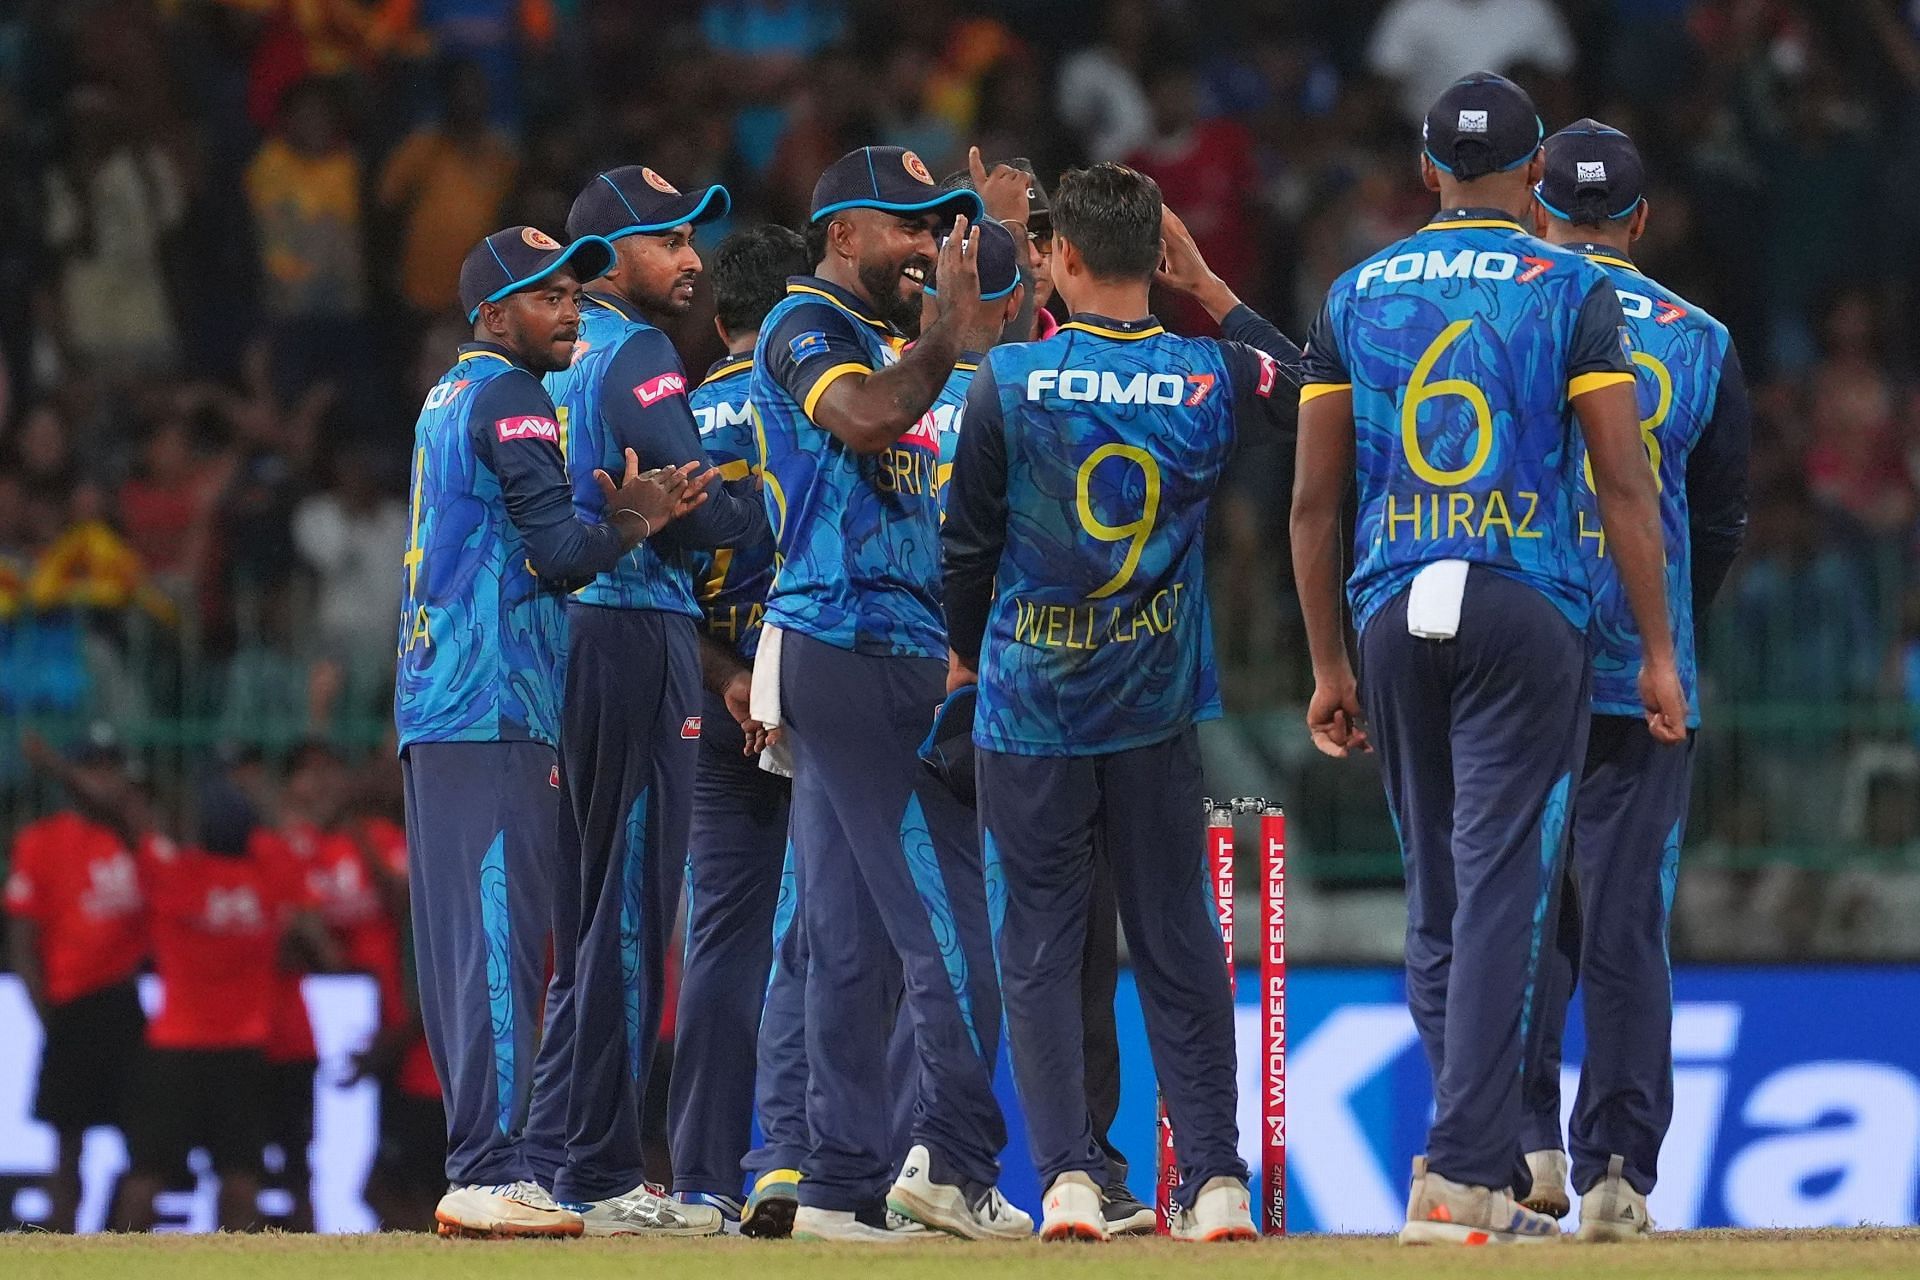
x=1459 y=514
x=420 y=634
x=1526 y=529
x=1496 y=500
x=1597 y=535
x=1395 y=519
x=906 y=471
x=1059 y=626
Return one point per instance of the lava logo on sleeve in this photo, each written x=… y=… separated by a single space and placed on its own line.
x=654 y=390
x=527 y=429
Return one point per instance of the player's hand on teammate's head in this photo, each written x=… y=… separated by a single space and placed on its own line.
x=1003 y=192
x=1665 y=700
x=958 y=269
x=1334 y=718
x=1181 y=265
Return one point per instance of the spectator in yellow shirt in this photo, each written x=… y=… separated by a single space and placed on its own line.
x=447 y=183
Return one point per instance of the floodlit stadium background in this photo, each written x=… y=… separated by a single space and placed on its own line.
x=226 y=294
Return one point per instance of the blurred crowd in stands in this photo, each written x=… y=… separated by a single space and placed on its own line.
x=234 y=229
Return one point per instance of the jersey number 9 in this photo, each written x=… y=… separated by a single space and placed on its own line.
x=1135 y=532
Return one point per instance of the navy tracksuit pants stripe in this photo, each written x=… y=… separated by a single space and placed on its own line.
x=735 y=858
x=627 y=756
x=1040 y=817
x=480 y=828
x=1479 y=739
x=1628 y=820
x=890 y=867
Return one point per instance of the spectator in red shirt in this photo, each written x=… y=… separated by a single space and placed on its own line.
x=215 y=918
x=408 y=1174
x=77 y=937
x=1207 y=169
x=295 y=856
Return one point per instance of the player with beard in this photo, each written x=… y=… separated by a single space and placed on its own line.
x=849 y=663
x=631 y=708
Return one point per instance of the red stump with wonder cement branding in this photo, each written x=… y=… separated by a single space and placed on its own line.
x=1273 y=1003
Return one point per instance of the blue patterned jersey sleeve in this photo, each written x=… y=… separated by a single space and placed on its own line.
x=975 y=532
x=515 y=433
x=643 y=401
x=811 y=347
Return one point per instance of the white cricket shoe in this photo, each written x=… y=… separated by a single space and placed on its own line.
x=1548 y=1194
x=1441 y=1211
x=839 y=1226
x=1222 y=1211
x=1072 y=1210
x=944 y=1207
x=1612 y=1210
x=504 y=1211
x=645 y=1211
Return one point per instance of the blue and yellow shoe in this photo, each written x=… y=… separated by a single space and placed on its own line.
x=771 y=1205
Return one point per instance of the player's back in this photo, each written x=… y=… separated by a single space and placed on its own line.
x=1678 y=354
x=479 y=633
x=731 y=581
x=1462 y=345
x=1099 y=639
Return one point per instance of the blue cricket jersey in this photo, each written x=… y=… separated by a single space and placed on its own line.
x=1078 y=506
x=858 y=560
x=946 y=414
x=626 y=390
x=492 y=547
x=1463 y=346
x=732 y=583
x=1694 y=423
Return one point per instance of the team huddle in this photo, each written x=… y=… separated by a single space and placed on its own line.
x=886 y=642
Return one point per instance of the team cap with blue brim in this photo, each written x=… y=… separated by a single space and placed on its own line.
x=634 y=200
x=520 y=258
x=891 y=179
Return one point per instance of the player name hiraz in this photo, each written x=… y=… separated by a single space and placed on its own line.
x=1059 y=626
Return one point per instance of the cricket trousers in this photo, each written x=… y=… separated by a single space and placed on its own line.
x=780 y=1089
x=1479 y=738
x=1629 y=815
x=481 y=868
x=1040 y=817
x=734 y=873
x=890 y=872
x=629 y=741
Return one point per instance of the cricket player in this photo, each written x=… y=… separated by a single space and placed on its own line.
x=1075 y=590
x=1630 y=806
x=494 y=544
x=631 y=704
x=889 y=871
x=1444 y=377
x=737 y=850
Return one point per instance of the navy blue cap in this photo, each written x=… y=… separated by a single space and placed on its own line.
x=892 y=179
x=999 y=262
x=521 y=257
x=1482 y=124
x=1593 y=174
x=634 y=200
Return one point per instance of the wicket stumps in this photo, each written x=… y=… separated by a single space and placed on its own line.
x=1272 y=1214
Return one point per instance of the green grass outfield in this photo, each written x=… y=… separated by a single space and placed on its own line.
x=1699 y=1255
